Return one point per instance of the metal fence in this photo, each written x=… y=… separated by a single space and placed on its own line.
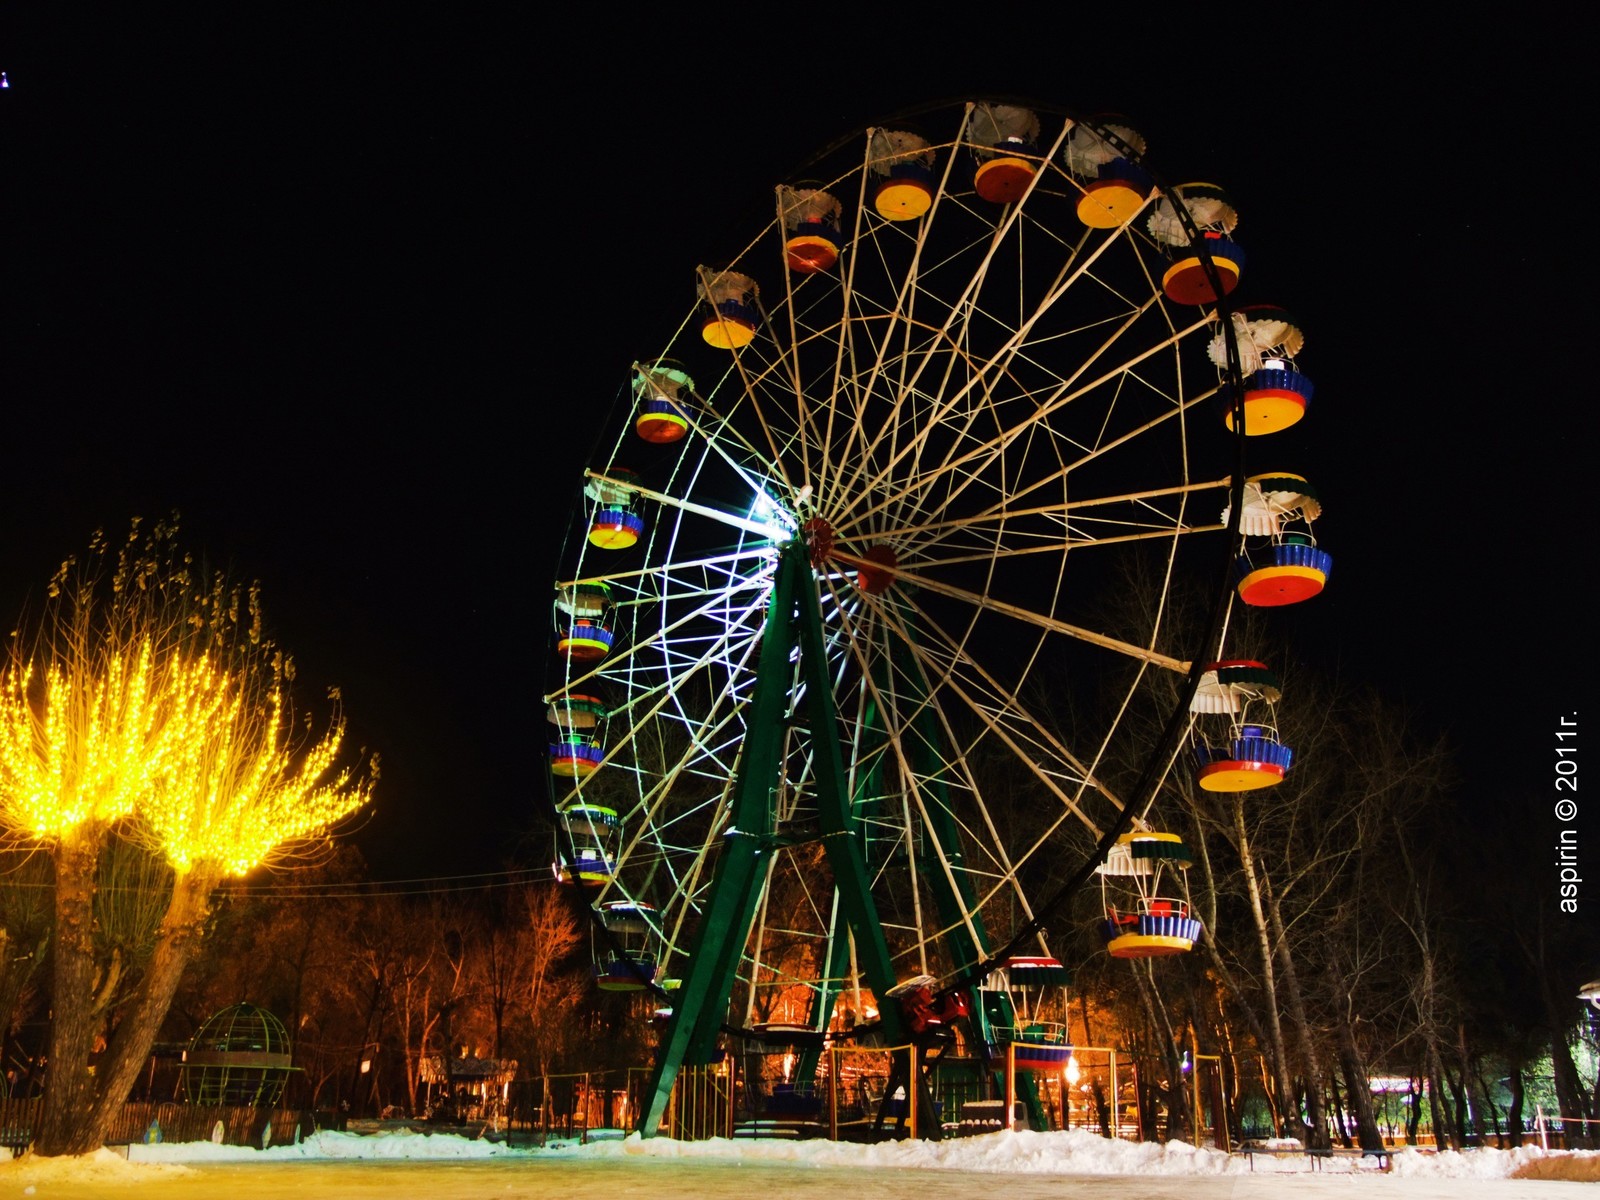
x=231 y=1125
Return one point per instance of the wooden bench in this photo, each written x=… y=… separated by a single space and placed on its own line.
x=1252 y=1152
x=1315 y=1154
x=1360 y=1155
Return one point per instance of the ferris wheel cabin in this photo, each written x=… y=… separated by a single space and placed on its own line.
x=1145 y=889
x=583 y=621
x=1008 y=153
x=1210 y=211
x=625 y=955
x=588 y=837
x=661 y=407
x=732 y=322
x=1115 y=187
x=579 y=745
x=902 y=164
x=1022 y=984
x=1235 y=738
x=1284 y=566
x=811 y=222
x=1276 y=394
x=1288 y=570
x=613 y=523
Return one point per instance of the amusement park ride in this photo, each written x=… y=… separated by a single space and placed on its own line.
x=813 y=607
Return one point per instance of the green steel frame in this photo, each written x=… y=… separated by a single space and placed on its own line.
x=794 y=624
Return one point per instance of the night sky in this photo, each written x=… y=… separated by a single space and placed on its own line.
x=343 y=285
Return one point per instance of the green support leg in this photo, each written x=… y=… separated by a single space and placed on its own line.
x=701 y=1002
x=851 y=879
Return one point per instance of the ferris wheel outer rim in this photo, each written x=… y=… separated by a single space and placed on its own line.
x=1235 y=490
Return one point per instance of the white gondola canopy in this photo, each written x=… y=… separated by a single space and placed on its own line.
x=1266 y=337
x=1208 y=207
x=1087 y=150
x=889 y=148
x=1273 y=501
x=1004 y=127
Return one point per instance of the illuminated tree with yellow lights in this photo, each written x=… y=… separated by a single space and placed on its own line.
x=149 y=707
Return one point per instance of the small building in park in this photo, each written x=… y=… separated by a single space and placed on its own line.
x=466 y=1087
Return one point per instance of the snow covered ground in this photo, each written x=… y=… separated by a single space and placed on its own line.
x=1018 y=1166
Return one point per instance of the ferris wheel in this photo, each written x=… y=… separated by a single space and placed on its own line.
x=843 y=660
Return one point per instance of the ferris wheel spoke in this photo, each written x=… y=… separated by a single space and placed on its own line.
x=989 y=838
x=647 y=707
x=1001 y=699
x=972 y=464
x=995 y=366
x=743 y=524
x=745 y=382
x=1061 y=545
x=660 y=571
x=1017 y=612
x=958 y=312
x=1177 y=410
x=722 y=439
x=741 y=629
x=990 y=522
x=898 y=718
x=842 y=366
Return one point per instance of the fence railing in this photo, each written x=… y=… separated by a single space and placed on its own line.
x=18 y=1119
x=1558 y=1125
x=171 y=1121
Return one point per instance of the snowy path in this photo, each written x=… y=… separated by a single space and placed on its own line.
x=1014 y=1166
x=657 y=1179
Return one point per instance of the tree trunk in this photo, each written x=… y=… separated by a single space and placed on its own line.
x=1444 y=1134
x=1161 y=1028
x=1459 y=1109
x=83 y=1115
x=1358 y=1090
x=181 y=931
x=1514 y=1117
x=75 y=1019
x=1569 y=1091
x=1315 y=1120
x=1340 y=1117
x=1275 y=1047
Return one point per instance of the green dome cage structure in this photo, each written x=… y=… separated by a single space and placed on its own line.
x=241 y=1056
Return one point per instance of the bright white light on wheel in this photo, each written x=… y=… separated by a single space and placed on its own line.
x=776 y=521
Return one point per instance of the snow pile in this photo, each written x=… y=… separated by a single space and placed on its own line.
x=1070 y=1153
x=1579 y=1166
x=1525 y=1162
x=325 y=1144
x=1082 y=1153
x=1023 y=1152
x=26 y=1174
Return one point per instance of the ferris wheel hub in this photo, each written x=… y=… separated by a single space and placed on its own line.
x=872 y=579
x=819 y=541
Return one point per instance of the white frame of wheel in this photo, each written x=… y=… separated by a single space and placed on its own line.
x=941 y=390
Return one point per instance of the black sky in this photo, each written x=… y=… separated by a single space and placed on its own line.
x=338 y=284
